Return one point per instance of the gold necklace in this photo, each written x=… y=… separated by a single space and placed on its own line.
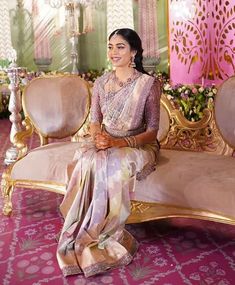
x=122 y=83
x=126 y=82
x=115 y=81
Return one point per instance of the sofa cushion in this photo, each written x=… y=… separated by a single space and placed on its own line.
x=46 y=163
x=182 y=178
x=191 y=179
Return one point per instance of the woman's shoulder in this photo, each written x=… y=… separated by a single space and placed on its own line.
x=103 y=78
x=155 y=80
x=152 y=83
x=150 y=78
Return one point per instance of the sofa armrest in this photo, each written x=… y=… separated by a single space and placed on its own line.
x=20 y=138
x=202 y=136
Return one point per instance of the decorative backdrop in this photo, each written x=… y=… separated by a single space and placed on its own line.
x=148 y=31
x=119 y=15
x=6 y=49
x=42 y=47
x=54 y=40
x=202 y=44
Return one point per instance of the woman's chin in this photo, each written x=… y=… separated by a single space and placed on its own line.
x=119 y=65
x=116 y=64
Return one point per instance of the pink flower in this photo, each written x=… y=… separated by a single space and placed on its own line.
x=194 y=90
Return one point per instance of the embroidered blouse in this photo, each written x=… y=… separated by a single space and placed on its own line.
x=148 y=111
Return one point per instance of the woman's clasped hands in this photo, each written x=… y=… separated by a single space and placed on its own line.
x=103 y=141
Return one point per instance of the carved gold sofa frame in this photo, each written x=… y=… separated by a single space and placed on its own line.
x=195 y=177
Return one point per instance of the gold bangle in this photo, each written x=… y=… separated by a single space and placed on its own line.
x=134 y=142
x=131 y=141
x=126 y=139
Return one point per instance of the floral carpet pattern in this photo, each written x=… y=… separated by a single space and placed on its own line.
x=171 y=252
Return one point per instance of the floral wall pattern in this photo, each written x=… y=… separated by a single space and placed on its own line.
x=202 y=41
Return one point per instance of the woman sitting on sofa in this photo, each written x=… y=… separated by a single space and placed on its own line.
x=125 y=113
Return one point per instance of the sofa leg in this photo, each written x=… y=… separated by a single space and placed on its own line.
x=7 y=189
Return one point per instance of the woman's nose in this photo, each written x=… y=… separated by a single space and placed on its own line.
x=114 y=51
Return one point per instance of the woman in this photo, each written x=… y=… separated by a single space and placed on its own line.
x=124 y=124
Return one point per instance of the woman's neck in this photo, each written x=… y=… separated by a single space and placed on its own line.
x=124 y=73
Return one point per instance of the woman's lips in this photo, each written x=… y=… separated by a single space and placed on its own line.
x=115 y=59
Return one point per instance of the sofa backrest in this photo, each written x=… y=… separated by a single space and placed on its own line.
x=164 y=124
x=57 y=106
x=225 y=111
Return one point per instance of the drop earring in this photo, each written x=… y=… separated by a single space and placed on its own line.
x=109 y=64
x=132 y=62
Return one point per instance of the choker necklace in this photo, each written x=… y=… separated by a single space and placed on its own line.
x=126 y=82
x=116 y=84
x=122 y=83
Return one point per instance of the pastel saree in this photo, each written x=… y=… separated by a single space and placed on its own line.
x=97 y=203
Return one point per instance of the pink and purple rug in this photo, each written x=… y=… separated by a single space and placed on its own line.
x=172 y=251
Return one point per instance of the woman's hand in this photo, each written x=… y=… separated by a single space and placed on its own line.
x=104 y=141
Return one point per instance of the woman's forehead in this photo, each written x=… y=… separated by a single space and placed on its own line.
x=116 y=39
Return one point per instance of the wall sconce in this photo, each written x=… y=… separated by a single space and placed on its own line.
x=72 y=9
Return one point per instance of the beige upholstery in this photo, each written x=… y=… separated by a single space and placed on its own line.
x=182 y=178
x=46 y=163
x=225 y=110
x=191 y=180
x=185 y=183
x=57 y=107
x=164 y=125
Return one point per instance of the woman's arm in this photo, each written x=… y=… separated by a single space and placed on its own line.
x=95 y=128
x=151 y=115
x=96 y=114
x=104 y=140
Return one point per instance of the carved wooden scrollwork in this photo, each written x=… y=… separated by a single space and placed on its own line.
x=200 y=136
x=139 y=207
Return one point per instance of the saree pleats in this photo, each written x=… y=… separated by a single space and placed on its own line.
x=95 y=208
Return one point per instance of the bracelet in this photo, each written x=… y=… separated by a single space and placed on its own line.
x=134 y=141
x=131 y=141
x=126 y=139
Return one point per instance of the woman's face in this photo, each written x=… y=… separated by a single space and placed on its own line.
x=119 y=51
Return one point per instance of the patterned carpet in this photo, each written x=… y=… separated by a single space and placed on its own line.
x=172 y=252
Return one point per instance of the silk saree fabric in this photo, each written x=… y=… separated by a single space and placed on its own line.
x=97 y=203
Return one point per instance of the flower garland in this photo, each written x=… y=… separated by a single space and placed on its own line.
x=191 y=100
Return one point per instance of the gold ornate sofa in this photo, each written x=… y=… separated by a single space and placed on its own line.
x=195 y=176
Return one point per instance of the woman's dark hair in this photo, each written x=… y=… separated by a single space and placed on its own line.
x=135 y=43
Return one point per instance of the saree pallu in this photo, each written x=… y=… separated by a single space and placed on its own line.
x=97 y=204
